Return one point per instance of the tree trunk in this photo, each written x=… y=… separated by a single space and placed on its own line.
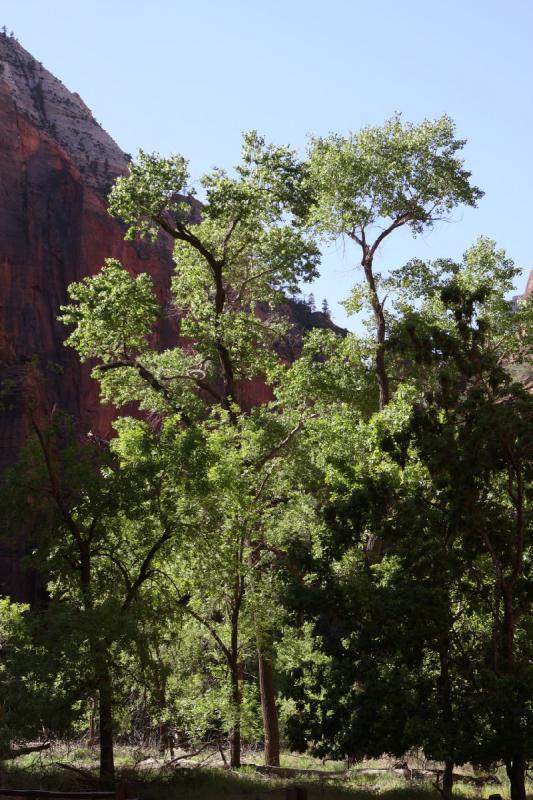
x=92 y=722
x=269 y=708
x=235 y=732
x=236 y=669
x=105 y=692
x=379 y=319
x=235 y=745
x=516 y=768
x=447 y=780
x=101 y=673
x=445 y=707
x=508 y=627
x=516 y=772
x=165 y=739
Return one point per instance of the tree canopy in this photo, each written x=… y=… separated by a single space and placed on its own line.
x=343 y=566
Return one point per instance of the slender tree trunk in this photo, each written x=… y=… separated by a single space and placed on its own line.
x=235 y=732
x=101 y=673
x=236 y=667
x=445 y=703
x=105 y=692
x=508 y=627
x=516 y=772
x=92 y=722
x=447 y=780
x=165 y=739
x=497 y=628
x=163 y=729
x=268 y=707
x=516 y=767
x=379 y=319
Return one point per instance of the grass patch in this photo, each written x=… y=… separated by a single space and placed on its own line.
x=204 y=782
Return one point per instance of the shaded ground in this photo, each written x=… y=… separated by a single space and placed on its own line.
x=204 y=778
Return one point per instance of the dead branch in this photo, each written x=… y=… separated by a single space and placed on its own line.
x=187 y=755
x=9 y=755
x=85 y=773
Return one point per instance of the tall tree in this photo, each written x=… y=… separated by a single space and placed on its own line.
x=367 y=185
x=474 y=434
x=443 y=476
x=245 y=248
x=103 y=520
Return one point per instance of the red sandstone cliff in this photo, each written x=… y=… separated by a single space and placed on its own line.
x=56 y=167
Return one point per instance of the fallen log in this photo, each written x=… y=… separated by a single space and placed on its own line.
x=290 y=772
x=472 y=780
x=84 y=773
x=426 y=774
x=56 y=795
x=16 y=752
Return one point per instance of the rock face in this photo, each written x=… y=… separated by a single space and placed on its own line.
x=527 y=293
x=47 y=105
x=56 y=167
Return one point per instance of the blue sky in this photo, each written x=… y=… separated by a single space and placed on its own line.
x=189 y=77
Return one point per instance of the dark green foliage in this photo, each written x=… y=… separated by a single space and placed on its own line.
x=368 y=529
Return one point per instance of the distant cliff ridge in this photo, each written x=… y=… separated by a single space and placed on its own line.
x=48 y=105
x=527 y=293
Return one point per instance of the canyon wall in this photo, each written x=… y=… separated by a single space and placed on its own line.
x=56 y=167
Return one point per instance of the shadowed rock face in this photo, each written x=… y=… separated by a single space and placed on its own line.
x=56 y=167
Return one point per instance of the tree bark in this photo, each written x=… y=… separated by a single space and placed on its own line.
x=105 y=694
x=445 y=706
x=508 y=626
x=516 y=772
x=447 y=780
x=165 y=739
x=235 y=732
x=379 y=319
x=92 y=722
x=268 y=708
x=515 y=767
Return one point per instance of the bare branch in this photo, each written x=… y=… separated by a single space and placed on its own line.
x=150 y=378
x=187 y=755
x=144 y=571
x=54 y=483
x=227 y=237
x=284 y=442
x=398 y=222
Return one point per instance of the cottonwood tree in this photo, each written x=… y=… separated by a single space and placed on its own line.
x=416 y=640
x=244 y=249
x=474 y=434
x=103 y=519
x=238 y=255
x=366 y=185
